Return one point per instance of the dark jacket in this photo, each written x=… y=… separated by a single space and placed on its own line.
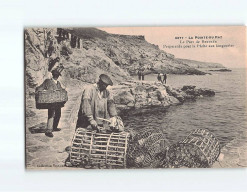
x=49 y=84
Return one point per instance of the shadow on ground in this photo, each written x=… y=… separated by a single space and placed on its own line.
x=39 y=128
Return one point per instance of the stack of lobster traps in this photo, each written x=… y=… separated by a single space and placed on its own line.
x=148 y=149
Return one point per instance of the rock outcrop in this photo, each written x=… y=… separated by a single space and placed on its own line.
x=198 y=64
x=221 y=70
x=136 y=94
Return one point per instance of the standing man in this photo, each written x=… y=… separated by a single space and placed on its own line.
x=78 y=43
x=96 y=102
x=54 y=111
x=139 y=74
x=159 y=77
x=142 y=74
x=164 y=78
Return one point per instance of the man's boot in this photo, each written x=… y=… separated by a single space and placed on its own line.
x=49 y=133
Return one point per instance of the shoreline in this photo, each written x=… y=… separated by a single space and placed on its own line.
x=234 y=155
x=130 y=95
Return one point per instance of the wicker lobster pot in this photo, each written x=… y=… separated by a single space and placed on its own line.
x=100 y=150
x=199 y=149
x=144 y=148
x=44 y=99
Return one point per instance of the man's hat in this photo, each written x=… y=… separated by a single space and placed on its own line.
x=105 y=79
x=58 y=70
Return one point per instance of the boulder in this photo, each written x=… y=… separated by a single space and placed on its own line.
x=205 y=92
x=161 y=94
x=124 y=97
x=188 y=87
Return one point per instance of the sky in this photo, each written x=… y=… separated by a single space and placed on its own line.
x=231 y=57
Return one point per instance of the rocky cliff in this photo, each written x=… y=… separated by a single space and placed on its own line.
x=132 y=52
x=82 y=65
x=99 y=52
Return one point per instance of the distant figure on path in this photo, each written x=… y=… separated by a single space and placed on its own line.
x=164 y=78
x=139 y=74
x=159 y=77
x=73 y=41
x=142 y=74
x=65 y=49
x=78 y=43
x=149 y=99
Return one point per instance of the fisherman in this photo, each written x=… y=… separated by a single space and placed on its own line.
x=54 y=111
x=96 y=104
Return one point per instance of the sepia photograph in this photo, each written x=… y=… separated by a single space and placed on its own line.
x=135 y=97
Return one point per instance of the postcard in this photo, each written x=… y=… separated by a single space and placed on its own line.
x=135 y=97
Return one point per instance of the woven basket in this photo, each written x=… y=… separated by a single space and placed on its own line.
x=45 y=99
x=49 y=96
x=100 y=150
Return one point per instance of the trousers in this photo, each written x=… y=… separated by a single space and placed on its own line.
x=54 y=115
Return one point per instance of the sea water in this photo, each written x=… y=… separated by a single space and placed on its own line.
x=224 y=114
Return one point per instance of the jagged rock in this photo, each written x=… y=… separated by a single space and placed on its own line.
x=191 y=93
x=206 y=92
x=176 y=93
x=161 y=94
x=188 y=87
x=124 y=97
x=135 y=94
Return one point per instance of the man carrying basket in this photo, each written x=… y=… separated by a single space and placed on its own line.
x=54 y=109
